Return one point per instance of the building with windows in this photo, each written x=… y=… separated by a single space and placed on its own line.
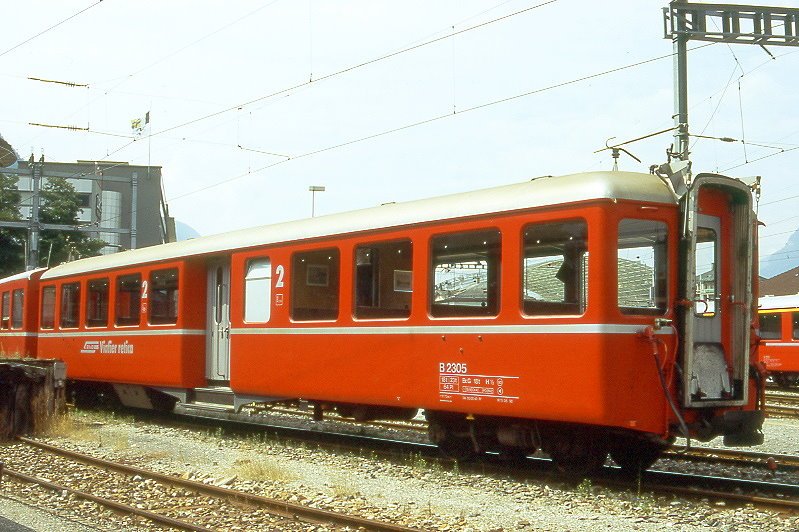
x=124 y=202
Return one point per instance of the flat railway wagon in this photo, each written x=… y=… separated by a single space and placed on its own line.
x=563 y=314
x=779 y=338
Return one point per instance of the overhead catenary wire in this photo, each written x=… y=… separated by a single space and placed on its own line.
x=354 y=67
x=328 y=76
x=310 y=83
x=436 y=119
x=29 y=39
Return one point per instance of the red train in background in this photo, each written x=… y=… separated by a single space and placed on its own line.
x=583 y=315
x=779 y=338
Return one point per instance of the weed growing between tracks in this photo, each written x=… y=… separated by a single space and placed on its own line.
x=263 y=469
x=80 y=428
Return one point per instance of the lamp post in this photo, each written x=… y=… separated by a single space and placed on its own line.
x=313 y=189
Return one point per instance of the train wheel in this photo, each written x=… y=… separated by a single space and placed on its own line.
x=635 y=456
x=786 y=380
x=578 y=456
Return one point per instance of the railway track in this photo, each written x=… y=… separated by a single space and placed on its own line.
x=781 y=403
x=770 y=461
x=772 y=495
x=732 y=456
x=282 y=514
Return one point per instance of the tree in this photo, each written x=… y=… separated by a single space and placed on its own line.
x=60 y=204
x=12 y=241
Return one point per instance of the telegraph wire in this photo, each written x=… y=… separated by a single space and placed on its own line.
x=783 y=199
x=29 y=39
x=782 y=150
x=356 y=67
x=124 y=79
x=437 y=118
x=729 y=83
x=328 y=76
x=204 y=37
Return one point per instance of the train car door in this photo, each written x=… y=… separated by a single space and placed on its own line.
x=217 y=367
x=707 y=271
x=718 y=251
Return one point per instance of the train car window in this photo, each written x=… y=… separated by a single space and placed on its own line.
x=465 y=274
x=706 y=288
x=383 y=280
x=555 y=268
x=258 y=291
x=5 y=317
x=771 y=326
x=642 y=267
x=795 y=319
x=48 y=307
x=164 y=296
x=128 y=300
x=70 y=305
x=97 y=303
x=314 y=285
x=17 y=306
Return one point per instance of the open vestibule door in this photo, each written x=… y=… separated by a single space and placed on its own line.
x=716 y=288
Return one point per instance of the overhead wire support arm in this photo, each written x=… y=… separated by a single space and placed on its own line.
x=742 y=24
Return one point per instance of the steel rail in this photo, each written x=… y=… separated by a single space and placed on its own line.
x=786 y=411
x=274 y=506
x=733 y=456
x=653 y=480
x=668 y=487
x=114 y=505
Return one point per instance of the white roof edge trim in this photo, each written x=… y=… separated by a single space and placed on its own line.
x=19 y=276
x=539 y=192
x=778 y=302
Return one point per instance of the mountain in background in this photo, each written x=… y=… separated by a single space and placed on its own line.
x=185 y=232
x=781 y=260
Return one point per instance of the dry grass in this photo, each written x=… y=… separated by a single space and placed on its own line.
x=256 y=470
x=9 y=354
x=75 y=430
x=343 y=487
x=66 y=427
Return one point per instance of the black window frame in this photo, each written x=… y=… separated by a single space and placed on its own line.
x=91 y=308
x=69 y=305
x=128 y=320
x=490 y=306
x=769 y=332
x=47 y=322
x=320 y=286
x=368 y=261
x=556 y=238
x=164 y=293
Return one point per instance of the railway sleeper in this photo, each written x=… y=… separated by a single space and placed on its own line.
x=31 y=395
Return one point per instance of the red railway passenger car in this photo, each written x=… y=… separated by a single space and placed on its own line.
x=19 y=304
x=564 y=313
x=779 y=338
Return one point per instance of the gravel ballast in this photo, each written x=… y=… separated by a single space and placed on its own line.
x=414 y=492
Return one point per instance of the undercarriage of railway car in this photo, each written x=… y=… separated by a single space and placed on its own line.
x=575 y=449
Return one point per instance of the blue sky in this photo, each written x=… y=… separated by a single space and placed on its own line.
x=233 y=157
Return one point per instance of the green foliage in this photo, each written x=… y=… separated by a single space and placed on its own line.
x=9 y=198
x=60 y=204
x=12 y=241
